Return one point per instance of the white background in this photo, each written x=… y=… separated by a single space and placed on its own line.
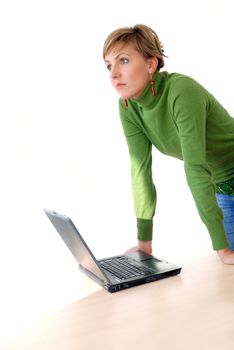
x=62 y=145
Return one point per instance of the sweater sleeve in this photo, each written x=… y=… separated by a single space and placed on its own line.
x=144 y=192
x=190 y=108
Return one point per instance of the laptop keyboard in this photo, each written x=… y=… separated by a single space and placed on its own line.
x=124 y=268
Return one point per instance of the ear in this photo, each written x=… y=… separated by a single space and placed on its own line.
x=153 y=65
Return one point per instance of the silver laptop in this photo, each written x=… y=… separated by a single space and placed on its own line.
x=114 y=273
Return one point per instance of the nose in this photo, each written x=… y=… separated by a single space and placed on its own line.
x=115 y=73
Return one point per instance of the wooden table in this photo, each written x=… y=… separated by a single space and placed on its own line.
x=194 y=310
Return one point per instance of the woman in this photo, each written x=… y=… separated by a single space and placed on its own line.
x=180 y=118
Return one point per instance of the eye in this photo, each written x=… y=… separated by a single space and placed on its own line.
x=108 y=66
x=124 y=60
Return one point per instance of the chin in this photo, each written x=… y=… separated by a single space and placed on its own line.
x=126 y=97
x=132 y=96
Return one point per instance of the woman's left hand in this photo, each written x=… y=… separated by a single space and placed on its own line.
x=226 y=256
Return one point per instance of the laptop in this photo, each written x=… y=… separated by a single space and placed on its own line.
x=114 y=273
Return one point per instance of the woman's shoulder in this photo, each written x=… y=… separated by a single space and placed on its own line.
x=182 y=83
x=181 y=79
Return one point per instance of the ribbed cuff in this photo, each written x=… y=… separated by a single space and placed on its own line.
x=144 y=229
x=219 y=241
x=218 y=236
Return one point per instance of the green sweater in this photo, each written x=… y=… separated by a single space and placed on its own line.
x=185 y=121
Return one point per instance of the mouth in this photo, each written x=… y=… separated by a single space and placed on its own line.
x=120 y=86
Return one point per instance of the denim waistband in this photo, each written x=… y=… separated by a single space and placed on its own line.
x=225 y=187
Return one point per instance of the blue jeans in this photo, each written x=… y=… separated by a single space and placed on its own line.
x=226 y=203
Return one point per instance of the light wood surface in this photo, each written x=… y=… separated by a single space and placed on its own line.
x=194 y=310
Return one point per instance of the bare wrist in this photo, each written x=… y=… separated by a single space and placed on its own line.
x=146 y=246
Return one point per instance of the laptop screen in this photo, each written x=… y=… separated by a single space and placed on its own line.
x=72 y=238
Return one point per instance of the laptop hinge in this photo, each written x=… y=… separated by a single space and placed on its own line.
x=98 y=280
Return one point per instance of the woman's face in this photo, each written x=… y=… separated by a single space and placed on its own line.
x=130 y=72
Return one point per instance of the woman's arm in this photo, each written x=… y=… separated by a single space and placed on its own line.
x=190 y=108
x=144 y=192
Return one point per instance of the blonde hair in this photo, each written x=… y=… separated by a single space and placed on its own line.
x=143 y=38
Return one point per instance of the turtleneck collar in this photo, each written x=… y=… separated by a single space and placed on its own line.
x=146 y=99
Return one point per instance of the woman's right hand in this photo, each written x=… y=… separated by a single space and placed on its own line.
x=145 y=246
